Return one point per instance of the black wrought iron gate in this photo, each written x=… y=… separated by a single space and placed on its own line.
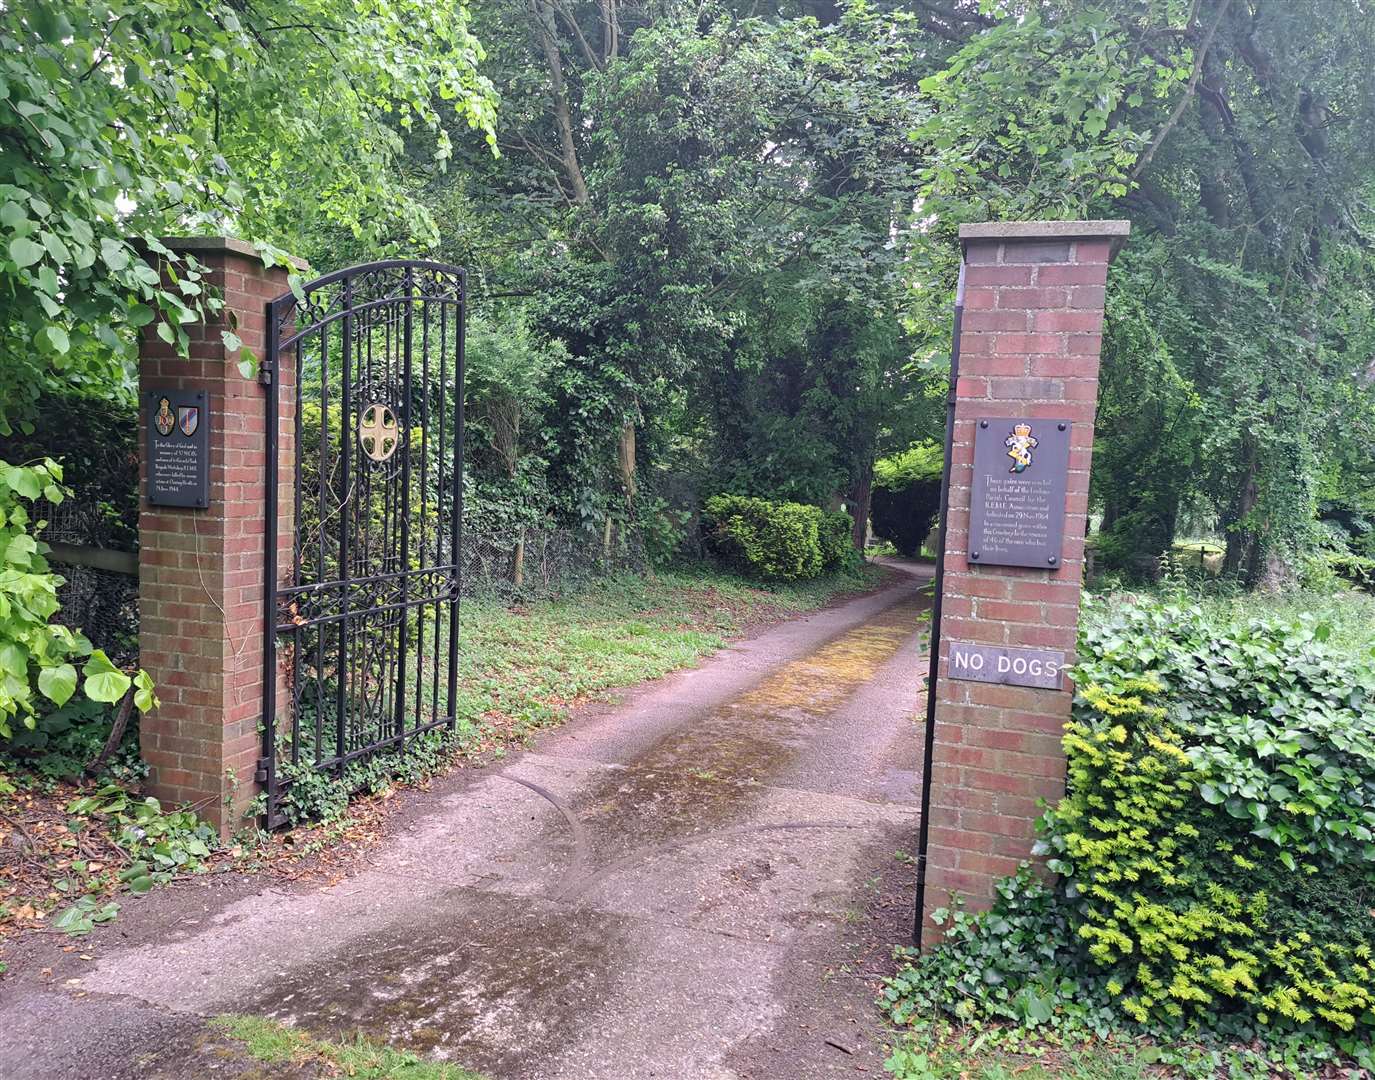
x=361 y=627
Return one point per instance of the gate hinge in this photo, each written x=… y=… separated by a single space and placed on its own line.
x=260 y=774
x=265 y=373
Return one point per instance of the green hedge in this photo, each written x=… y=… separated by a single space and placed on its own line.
x=774 y=541
x=836 y=535
x=1215 y=847
x=907 y=496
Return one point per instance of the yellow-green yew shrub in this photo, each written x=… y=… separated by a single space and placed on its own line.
x=1216 y=843
x=1214 y=853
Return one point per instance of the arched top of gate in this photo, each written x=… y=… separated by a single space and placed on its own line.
x=359 y=288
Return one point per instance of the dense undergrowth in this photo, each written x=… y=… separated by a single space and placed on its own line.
x=1213 y=857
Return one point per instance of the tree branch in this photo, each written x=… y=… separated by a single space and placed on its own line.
x=543 y=24
x=1145 y=159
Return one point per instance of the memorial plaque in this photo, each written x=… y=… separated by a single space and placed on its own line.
x=1040 y=668
x=1017 y=506
x=178 y=424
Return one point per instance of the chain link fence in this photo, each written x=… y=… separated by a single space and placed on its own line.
x=536 y=563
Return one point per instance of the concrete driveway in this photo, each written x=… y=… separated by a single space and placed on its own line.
x=701 y=880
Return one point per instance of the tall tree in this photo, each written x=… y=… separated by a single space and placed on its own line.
x=1237 y=134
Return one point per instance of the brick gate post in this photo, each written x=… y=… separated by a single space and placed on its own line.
x=201 y=569
x=1029 y=347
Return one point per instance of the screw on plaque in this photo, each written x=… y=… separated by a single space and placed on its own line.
x=973 y=554
x=983 y=423
x=1052 y=560
x=1061 y=426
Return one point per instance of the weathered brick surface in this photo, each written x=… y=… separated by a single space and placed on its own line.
x=201 y=571
x=1030 y=345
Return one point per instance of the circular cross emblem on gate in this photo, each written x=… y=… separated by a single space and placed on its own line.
x=377 y=432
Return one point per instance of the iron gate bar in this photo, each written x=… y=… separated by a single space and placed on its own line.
x=379 y=536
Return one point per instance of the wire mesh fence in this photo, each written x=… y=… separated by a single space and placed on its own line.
x=93 y=531
x=536 y=563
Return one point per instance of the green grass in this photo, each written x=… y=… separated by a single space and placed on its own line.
x=523 y=667
x=276 y=1044
x=1350 y=614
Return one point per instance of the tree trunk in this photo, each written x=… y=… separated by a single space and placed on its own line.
x=860 y=497
x=542 y=16
x=518 y=563
x=1240 y=558
x=625 y=454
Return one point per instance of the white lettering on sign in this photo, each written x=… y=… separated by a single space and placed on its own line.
x=1041 y=668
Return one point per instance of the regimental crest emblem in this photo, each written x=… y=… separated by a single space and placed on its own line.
x=164 y=420
x=1019 y=445
x=188 y=419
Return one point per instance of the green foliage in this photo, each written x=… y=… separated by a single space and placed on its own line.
x=1014 y=964
x=664 y=529
x=162 y=843
x=1202 y=756
x=907 y=496
x=126 y=120
x=64 y=741
x=768 y=540
x=1215 y=849
x=836 y=538
x=921 y=462
x=38 y=658
x=82 y=916
x=311 y=795
x=1042 y=113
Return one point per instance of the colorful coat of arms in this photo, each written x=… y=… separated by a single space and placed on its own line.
x=188 y=419
x=1020 y=444
x=164 y=419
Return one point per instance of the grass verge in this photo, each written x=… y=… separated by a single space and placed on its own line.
x=524 y=667
x=276 y=1044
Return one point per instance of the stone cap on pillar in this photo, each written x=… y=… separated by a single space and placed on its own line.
x=1114 y=230
x=212 y=245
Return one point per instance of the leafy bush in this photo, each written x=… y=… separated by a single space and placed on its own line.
x=37 y=657
x=836 y=535
x=664 y=529
x=1215 y=847
x=768 y=540
x=162 y=843
x=907 y=496
x=1358 y=570
x=64 y=741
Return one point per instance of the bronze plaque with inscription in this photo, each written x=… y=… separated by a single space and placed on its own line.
x=1017 y=506
x=178 y=433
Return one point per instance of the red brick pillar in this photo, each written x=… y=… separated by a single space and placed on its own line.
x=201 y=568
x=1029 y=347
